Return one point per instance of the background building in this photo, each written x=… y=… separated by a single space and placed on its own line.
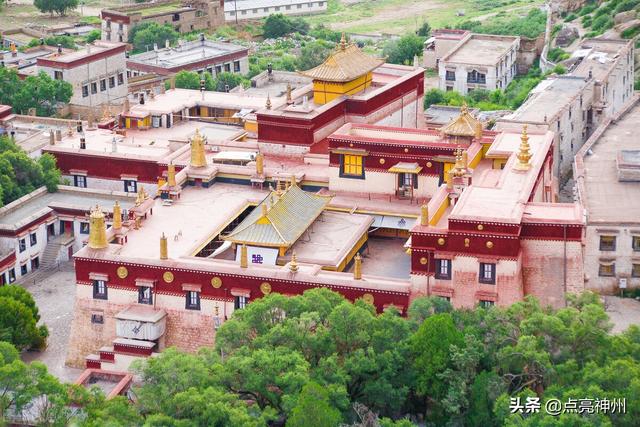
x=240 y=10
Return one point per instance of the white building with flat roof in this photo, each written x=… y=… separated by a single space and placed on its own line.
x=240 y=10
x=479 y=61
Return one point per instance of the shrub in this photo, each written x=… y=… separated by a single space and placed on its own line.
x=630 y=33
x=570 y=17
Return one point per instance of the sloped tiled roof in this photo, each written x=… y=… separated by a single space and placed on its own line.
x=464 y=125
x=287 y=217
x=346 y=63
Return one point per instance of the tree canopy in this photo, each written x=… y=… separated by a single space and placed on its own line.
x=278 y=25
x=18 y=319
x=191 y=80
x=61 y=7
x=404 y=49
x=144 y=35
x=40 y=92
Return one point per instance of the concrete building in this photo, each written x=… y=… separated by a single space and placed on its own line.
x=200 y=56
x=479 y=61
x=240 y=10
x=41 y=229
x=184 y=16
x=97 y=73
x=439 y=44
x=607 y=174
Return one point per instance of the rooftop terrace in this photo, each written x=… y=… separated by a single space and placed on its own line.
x=481 y=49
x=185 y=54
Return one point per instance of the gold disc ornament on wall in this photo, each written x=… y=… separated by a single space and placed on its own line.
x=216 y=282
x=122 y=272
x=368 y=298
x=167 y=276
x=265 y=288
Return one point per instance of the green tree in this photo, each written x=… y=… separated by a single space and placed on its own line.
x=18 y=325
x=278 y=25
x=93 y=36
x=313 y=54
x=313 y=409
x=224 y=80
x=191 y=80
x=42 y=93
x=61 y=7
x=424 y=30
x=143 y=36
x=403 y=50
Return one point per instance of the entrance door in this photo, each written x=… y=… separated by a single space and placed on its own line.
x=51 y=231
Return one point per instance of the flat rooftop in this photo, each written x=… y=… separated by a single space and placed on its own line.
x=597 y=56
x=185 y=54
x=253 y=4
x=96 y=48
x=549 y=98
x=444 y=114
x=606 y=199
x=481 y=49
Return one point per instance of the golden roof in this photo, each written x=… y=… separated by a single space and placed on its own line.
x=279 y=221
x=346 y=63
x=463 y=125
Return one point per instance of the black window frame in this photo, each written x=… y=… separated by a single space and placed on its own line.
x=84 y=228
x=351 y=176
x=142 y=299
x=236 y=66
x=127 y=182
x=189 y=302
x=439 y=274
x=58 y=75
x=97 y=319
x=635 y=243
x=485 y=303
x=120 y=79
x=103 y=85
x=78 y=179
x=609 y=274
x=85 y=91
x=22 y=245
x=112 y=82
x=12 y=275
x=99 y=293
x=481 y=276
x=604 y=247
x=450 y=76
x=33 y=239
x=227 y=67
x=94 y=88
x=35 y=263
x=240 y=302
x=23 y=269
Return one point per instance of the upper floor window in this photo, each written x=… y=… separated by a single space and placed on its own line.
x=450 y=75
x=58 y=75
x=487 y=273
x=607 y=243
x=240 y=302
x=12 y=275
x=443 y=269
x=33 y=239
x=22 y=243
x=84 y=228
x=145 y=295
x=476 y=77
x=352 y=166
x=607 y=269
x=635 y=243
x=94 y=88
x=193 y=300
x=85 y=91
x=80 y=181
x=100 y=289
x=130 y=186
x=103 y=85
x=112 y=82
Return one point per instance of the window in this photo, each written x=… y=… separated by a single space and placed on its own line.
x=240 y=302
x=193 y=300
x=299 y=6
x=94 y=88
x=97 y=319
x=288 y=7
x=120 y=26
x=99 y=289
x=443 y=269
x=244 y=12
x=635 y=270
x=176 y=17
x=351 y=166
x=35 y=263
x=112 y=82
x=236 y=66
x=145 y=295
x=33 y=239
x=84 y=228
x=450 y=75
x=218 y=69
x=407 y=180
x=12 y=275
x=449 y=88
x=635 y=243
x=120 y=79
x=85 y=91
x=80 y=181
x=227 y=68
x=607 y=243
x=22 y=243
x=607 y=270
x=103 y=85
x=266 y=9
x=476 y=77
x=130 y=186
x=486 y=303
x=58 y=75
x=23 y=269
x=487 y=273
x=277 y=8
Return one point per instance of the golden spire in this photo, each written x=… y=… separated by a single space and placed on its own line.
x=293 y=264
x=524 y=153
x=289 y=99
x=117 y=216
x=140 y=197
x=464 y=109
x=357 y=267
x=424 y=215
x=171 y=175
x=244 y=262
x=478 y=129
x=459 y=169
x=164 y=251
x=343 y=42
x=268 y=104
x=279 y=187
x=465 y=159
x=97 y=229
x=449 y=181
x=260 y=164
x=198 y=159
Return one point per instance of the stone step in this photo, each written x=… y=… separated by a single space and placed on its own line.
x=133 y=347
x=93 y=361
x=107 y=354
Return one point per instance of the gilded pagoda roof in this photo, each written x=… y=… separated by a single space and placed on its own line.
x=463 y=125
x=278 y=221
x=347 y=62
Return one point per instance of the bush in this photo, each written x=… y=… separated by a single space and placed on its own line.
x=278 y=25
x=433 y=97
x=570 y=17
x=602 y=23
x=93 y=36
x=143 y=36
x=530 y=26
x=323 y=33
x=557 y=54
x=424 y=30
x=402 y=51
x=587 y=9
x=66 y=42
x=630 y=33
x=586 y=21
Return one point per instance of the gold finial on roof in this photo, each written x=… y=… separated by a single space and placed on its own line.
x=293 y=264
x=198 y=159
x=524 y=151
x=244 y=262
x=357 y=267
x=259 y=164
x=343 y=41
x=268 y=104
x=13 y=48
x=459 y=169
x=117 y=216
x=464 y=125
x=289 y=99
x=97 y=229
x=424 y=215
x=164 y=250
x=171 y=175
x=464 y=108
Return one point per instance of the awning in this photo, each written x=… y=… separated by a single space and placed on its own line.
x=393 y=222
x=354 y=151
x=404 y=167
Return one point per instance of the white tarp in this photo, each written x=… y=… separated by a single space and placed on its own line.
x=394 y=222
x=259 y=256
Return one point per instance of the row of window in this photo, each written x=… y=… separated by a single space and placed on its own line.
x=145 y=296
x=482 y=303
x=10 y=275
x=486 y=274
x=609 y=270
x=22 y=243
x=608 y=243
x=93 y=86
x=130 y=185
x=276 y=8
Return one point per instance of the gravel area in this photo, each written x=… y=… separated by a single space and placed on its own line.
x=54 y=293
x=623 y=312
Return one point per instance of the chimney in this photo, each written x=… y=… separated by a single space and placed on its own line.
x=305 y=102
x=52 y=137
x=58 y=135
x=202 y=37
x=97 y=229
x=114 y=145
x=142 y=98
x=88 y=49
x=83 y=143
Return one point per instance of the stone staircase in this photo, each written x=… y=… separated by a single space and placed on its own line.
x=120 y=355
x=52 y=250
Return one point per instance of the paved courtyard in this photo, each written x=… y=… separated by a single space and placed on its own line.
x=623 y=312
x=54 y=294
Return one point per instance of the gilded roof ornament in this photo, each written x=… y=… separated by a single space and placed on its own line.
x=268 y=104
x=346 y=63
x=463 y=125
x=524 y=151
x=97 y=229
x=293 y=264
x=198 y=158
